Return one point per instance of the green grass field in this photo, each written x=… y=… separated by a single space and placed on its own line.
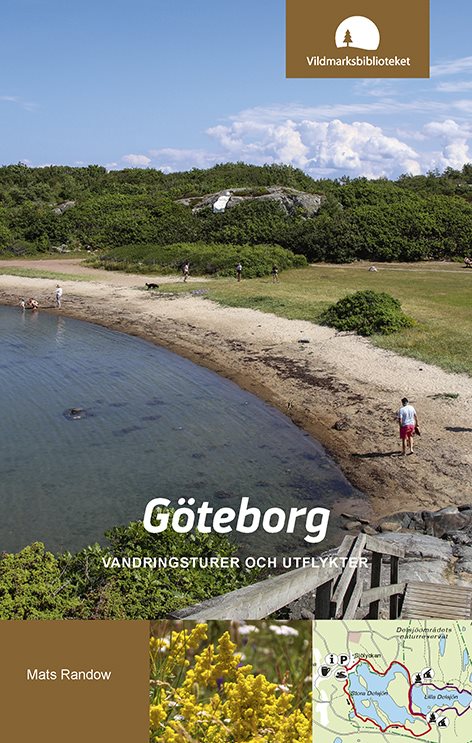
x=437 y=296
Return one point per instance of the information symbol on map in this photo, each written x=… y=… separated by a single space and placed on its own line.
x=343 y=660
x=325 y=671
x=427 y=673
x=443 y=722
x=331 y=659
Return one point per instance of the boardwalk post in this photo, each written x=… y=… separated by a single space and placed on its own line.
x=375 y=583
x=394 y=600
x=323 y=601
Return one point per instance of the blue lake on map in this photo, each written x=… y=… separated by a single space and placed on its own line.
x=369 y=692
x=426 y=698
x=152 y=424
x=442 y=645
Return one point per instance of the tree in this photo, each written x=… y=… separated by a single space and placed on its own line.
x=347 y=37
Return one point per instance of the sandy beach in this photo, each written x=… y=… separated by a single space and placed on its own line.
x=338 y=387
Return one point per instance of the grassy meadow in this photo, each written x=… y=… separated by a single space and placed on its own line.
x=437 y=296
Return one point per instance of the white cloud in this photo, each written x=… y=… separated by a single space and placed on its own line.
x=298 y=112
x=454 y=138
x=376 y=88
x=452 y=67
x=137 y=161
x=459 y=87
x=27 y=105
x=318 y=147
x=448 y=128
x=169 y=159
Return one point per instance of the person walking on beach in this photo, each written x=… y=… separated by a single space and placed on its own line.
x=186 y=270
x=239 y=270
x=58 y=296
x=408 y=422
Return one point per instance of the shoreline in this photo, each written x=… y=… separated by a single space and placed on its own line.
x=338 y=388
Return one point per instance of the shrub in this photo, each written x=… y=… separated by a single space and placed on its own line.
x=32 y=586
x=142 y=593
x=367 y=312
x=213 y=259
x=35 y=584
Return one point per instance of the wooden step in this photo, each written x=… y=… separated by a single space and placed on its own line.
x=436 y=601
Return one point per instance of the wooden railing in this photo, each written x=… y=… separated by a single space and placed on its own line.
x=338 y=592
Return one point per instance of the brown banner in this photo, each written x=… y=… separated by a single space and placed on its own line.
x=79 y=682
x=358 y=38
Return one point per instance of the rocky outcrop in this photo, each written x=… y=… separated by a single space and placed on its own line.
x=61 y=208
x=437 y=544
x=289 y=199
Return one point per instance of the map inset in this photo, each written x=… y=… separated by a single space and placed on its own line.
x=392 y=681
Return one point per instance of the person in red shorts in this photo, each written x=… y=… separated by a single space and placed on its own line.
x=408 y=421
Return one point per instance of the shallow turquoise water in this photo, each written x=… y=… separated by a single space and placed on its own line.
x=156 y=425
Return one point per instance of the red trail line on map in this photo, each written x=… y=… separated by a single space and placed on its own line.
x=396 y=724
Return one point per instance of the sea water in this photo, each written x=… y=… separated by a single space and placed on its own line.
x=149 y=424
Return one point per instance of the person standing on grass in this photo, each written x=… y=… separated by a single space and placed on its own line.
x=239 y=270
x=408 y=422
x=58 y=296
x=275 y=274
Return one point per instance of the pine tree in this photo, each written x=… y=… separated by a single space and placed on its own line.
x=347 y=38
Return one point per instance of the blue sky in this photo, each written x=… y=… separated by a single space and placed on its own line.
x=175 y=84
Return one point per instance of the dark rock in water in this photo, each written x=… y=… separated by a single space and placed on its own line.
x=223 y=494
x=75 y=414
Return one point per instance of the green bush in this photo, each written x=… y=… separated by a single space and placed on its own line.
x=32 y=586
x=35 y=584
x=204 y=259
x=367 y=312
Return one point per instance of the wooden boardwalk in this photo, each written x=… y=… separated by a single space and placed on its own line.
x=435 y=601
x=343 y=591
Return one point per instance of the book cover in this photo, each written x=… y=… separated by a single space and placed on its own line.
x=235 y=361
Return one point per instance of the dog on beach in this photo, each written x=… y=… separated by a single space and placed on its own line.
x=152 y=286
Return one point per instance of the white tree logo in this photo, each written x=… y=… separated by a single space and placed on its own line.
x=357 y=32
